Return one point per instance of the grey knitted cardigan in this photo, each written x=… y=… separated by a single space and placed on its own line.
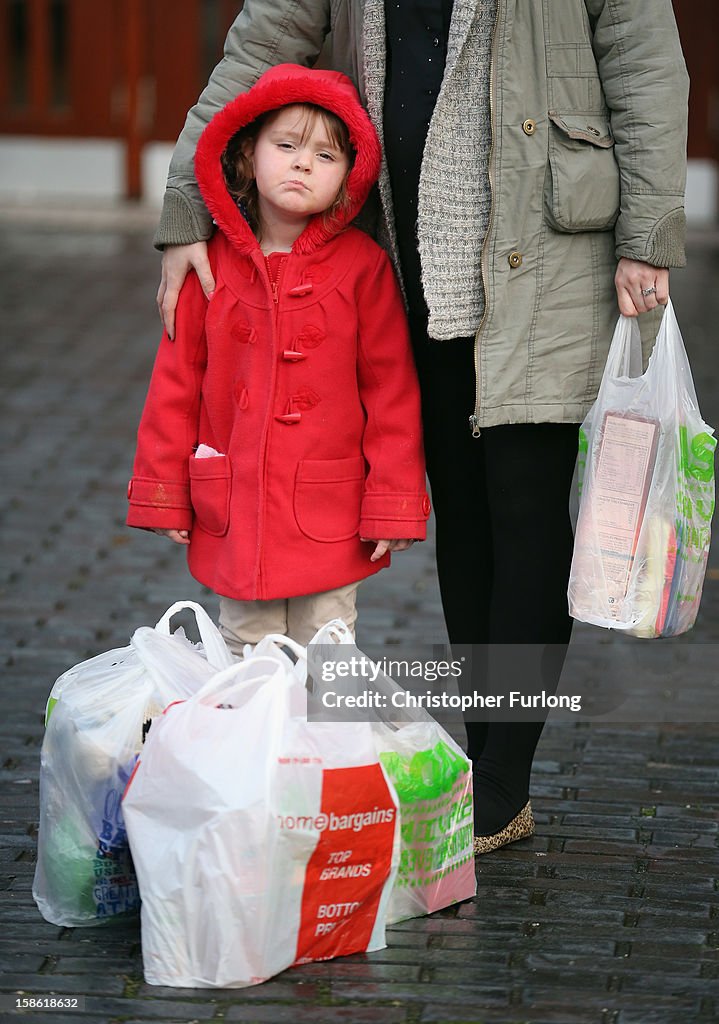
x=454 y=191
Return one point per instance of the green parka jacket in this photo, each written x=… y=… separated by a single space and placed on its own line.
x=588 y=164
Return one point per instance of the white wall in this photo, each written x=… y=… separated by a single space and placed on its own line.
x=40 y=168
x=702 y=203
x=70 y=169
x=155 y=161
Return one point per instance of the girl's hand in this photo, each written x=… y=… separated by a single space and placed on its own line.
x=178 y=536
x=632 y=279
x=383 y=546
x=177 y=260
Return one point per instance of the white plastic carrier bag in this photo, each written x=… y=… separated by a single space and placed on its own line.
x=242 y=821
x=96 y=715
x=433 y=780
x=646 y=474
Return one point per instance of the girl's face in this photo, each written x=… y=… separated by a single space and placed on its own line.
x=297 y=168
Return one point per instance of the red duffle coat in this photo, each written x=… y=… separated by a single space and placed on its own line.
x=310 y=394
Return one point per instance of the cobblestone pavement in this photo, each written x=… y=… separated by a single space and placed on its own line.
x=608 y=915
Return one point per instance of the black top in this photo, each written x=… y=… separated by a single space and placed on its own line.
x=417 y=33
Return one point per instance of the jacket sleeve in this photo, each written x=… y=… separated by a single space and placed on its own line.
x=395 y=503
x=646 y=86
x=265 y=33
x=159 y=491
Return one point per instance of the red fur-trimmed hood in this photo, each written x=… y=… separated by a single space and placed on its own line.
x=279 y=87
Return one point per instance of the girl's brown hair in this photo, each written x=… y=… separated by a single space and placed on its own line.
x=237 y=163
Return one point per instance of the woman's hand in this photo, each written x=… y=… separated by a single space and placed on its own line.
x=632 y=279
x=383 y=546
x=178 y=536
x=176 y=261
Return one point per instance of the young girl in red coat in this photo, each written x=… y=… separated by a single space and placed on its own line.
x=281 y=438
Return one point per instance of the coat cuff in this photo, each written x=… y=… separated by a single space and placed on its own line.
x=181 y=222
x=159 y=504
x=657 y=242
x=394 y=516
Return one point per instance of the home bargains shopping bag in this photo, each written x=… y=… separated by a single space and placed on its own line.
x=647 y=491
x=95 y=719
x=433 y=780
x=259 y=840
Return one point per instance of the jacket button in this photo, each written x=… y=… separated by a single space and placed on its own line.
x=300 y=289
x=129 y=489
x=426 y=506
x=292 y=356
x=289 y=418
x=515 y=259
x=529 y=126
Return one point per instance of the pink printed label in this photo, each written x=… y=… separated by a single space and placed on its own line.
x=437 y=851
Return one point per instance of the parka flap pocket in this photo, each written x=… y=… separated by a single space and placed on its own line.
x=582 y=189
x=210 y=486
x=328 y=497
x=584 y=126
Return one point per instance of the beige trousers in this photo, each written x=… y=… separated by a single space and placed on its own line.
x=246 y=622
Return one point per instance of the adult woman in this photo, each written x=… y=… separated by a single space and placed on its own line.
x=529 y=147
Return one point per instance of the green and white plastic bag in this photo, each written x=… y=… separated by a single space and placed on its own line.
x=646 y=476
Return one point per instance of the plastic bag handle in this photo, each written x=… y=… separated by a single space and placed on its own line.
x=671 y=351
x=280 y=640
x=221 y=680
x=338 y=629
x=145 y=642
x=625 y=357
x=216 y=651
x=668 y=360
x=625 y=352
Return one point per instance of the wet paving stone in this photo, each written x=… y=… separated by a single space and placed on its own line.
x=608 y=915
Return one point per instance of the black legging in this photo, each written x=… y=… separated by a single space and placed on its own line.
x=504 y=547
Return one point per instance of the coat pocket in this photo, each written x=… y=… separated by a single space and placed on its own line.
x=582 y=183
x=210 y=487
x=328 y=497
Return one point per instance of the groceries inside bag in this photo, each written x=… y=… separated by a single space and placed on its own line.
x=96 y=716
x=646 y=475
x=259 y=840
x=430 y=773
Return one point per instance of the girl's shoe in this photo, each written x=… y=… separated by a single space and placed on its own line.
x=520 y=827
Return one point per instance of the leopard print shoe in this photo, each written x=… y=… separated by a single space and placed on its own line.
x=520 y=827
